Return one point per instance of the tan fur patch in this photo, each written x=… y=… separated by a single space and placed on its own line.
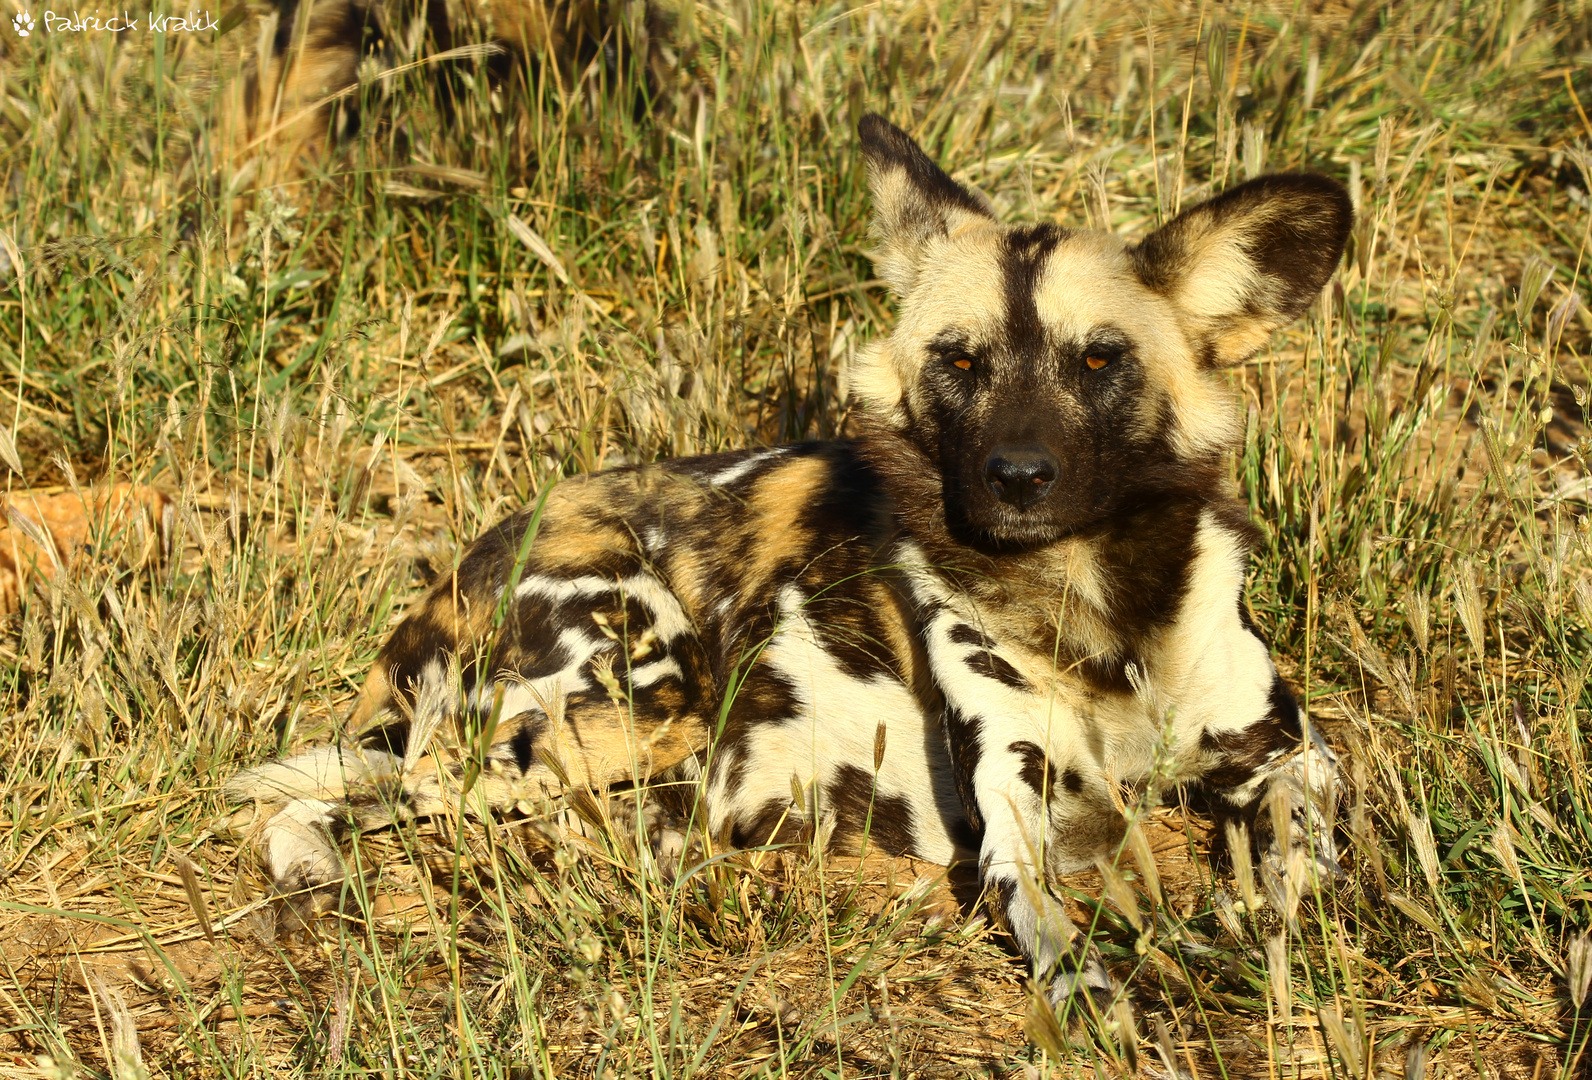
x=570 y=535
x=775 y=514
x=373 y=698
x=600 y=746
x=686 y=571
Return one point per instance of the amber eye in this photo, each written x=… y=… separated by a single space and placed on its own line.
x=962 y=363
x=1096 y=362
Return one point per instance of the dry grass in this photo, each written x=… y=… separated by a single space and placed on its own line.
x=341 y=381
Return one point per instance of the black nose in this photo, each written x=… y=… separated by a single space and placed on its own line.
x=1021 y=475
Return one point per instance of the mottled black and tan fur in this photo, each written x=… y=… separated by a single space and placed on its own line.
x=1024 y=574
x=304 y=81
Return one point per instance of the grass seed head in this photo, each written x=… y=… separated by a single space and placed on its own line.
x=1578 y=967
x=1144 y=859
x=1345 y=1040
x=1041 y=1025
x=1468 y=604
x=1503 y=843
x=1533 y=279
x=1280 y=981
x=1121 y=894
x=1415 y=1060
x=1243 y=864
x=1421 y=839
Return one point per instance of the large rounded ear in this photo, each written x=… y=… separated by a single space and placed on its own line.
x=913 y=201
x=1248 y=261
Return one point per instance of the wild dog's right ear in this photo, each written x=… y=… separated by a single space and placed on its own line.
x=913 y=201
x=1248 y=261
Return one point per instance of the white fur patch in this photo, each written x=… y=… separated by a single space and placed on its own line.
x=1207 y=669
x=835 y=726
x=668 y=618
x=743 y=468
x=298 y=845
x=324 y=772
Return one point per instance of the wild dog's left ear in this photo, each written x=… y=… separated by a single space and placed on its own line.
x=914 y=201
x=1248 y=261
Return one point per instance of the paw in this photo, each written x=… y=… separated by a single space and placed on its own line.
x=669 y=848
x=1298 y=859
x=1078 y=973
x=295 y=843
x=1293 y=829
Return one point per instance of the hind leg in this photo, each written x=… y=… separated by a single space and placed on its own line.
x=304 y=804
x=617 y=707
x=590 y=672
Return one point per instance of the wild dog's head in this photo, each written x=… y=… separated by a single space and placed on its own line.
x=1059 y=376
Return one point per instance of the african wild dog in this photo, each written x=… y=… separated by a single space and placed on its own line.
x=1026 y=570
x=311 y=55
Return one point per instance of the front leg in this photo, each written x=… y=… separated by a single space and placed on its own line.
x=1037 y=821
x=1034 y=792
x=1239 y=731
x=1282 y=779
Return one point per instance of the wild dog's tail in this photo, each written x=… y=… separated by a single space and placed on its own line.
x=298 y=808
x=299 y=805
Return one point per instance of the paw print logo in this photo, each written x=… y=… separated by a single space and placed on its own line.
x=23 y=22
